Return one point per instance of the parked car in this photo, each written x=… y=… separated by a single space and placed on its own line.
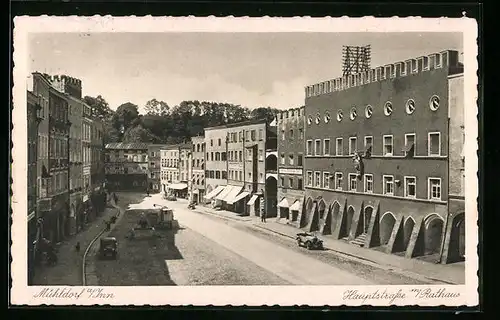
x=309 y=241
x=108 y=247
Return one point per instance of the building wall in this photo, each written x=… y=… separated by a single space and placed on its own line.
x=75 y=159
x=198 y=167
x=290 y=127
x=170 y=173
x=127 y=167
x=154 y=175
x=215 y=143
x=457 y=135
x=32 y=130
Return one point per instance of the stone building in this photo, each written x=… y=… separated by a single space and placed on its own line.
x=290 y=165
x=86 y=211
x=379 y=161
x=154 y=175
x=239 y=156
x=126 y=166
x=33 y=109
x=97 y=167
x=198 y=168
x=185 y=169
x=75 y=116
x=172 y=181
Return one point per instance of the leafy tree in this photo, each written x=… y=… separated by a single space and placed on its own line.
x=99 y=106
x=264 y=113
x=139 y=134
x=157 y=108
x=126 y=117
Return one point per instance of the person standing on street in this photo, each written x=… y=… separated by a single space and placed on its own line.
x=262 y=208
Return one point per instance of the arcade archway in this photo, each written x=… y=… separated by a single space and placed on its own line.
x=407 y=231
x=271 y=196
x=433 y=234
x=386 y=226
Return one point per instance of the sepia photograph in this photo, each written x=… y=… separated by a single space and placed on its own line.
x=212 y=157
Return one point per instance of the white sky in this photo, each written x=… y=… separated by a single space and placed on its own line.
x=250 y=69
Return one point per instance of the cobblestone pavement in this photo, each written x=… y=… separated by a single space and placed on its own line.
x=68 y=270
x=181 y=257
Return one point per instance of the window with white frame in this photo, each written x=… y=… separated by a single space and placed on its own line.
x=410 y=139
x=338 y=180
x=434 y=188
x=353 y=145
x=282 y=182
x=326 y=180
x=317 y=147
x=326 y=147
x=282 y=158
x=317 y=179
x=309 y=178
x=388 y=145
x=339 y=146
x=368 y=142
x=290 y=159
x=353 y=182
x=388 y=187
x=434 y=143
x=290 y=182
x=368 y=183
x=309 y=147
x=410 y=187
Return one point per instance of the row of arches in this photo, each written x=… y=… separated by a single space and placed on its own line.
x=394 y=233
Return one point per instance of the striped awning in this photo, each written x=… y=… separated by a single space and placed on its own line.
x=214 y=192
x=239 y=197
x=235 y=190
x=223 y=193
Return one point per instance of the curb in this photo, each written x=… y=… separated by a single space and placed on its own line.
x=345 y=255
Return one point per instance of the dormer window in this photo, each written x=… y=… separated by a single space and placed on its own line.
x=340 y=115
x=438 y=61
x=393 y=71
x=327 y=117
x=382 y=74
x=434 y=103
x=403 y=68
x=410 y=106
x=309 y=119
x=353 y=114
x=426 y=63
x=414 y=66
x=318 y=118
x=368 y=111
x=388 y=108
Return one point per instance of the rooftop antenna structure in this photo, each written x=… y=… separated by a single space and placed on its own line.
x=355 y=59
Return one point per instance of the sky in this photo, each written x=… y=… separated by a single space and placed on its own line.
x=248 y=69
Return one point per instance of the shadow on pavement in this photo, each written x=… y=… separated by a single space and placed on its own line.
x=141 y=258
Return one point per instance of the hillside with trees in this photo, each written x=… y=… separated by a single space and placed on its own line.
x=165 y=124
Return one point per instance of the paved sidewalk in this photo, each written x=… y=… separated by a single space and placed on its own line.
x=451 y=273
x=68 y=270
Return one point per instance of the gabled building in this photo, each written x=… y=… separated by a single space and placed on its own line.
x=126 y=166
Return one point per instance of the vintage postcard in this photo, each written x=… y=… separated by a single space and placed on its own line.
x=244 y=161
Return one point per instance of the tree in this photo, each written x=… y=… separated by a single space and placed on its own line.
x=99 y=106
x=157 y=108
x=264 y=113
x=126 y=117
x=139 y=134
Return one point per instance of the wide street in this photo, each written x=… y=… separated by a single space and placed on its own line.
x=207 y=250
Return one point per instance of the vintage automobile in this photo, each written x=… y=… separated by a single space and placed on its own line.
x=108 y=247
x=309 y=241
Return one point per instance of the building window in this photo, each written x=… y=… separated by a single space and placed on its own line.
x=434 y=188
x=219 y=142
x=299 y=184
x=299 y=159
x=318 y=118
x=241 y=156
x=253 y=135
x=403 y=68
x=338 y=180
x=410 y=187
x=217 y=174
x=388 y=108
x=327 y=117
x=282 y=182
x=290 y=182
x=301 y=133
x=261 y=155
x=211 y=156
x=317 y=179
x=353 y=182
x=309 y=119
x=353 y=114
x=368 y=142
x=410 y=106
x=326 y=180
x=368 y=183
x=211 y=142
x=426 y=63
x=317 y=147
x=368 y=111
x=340 y=115
x=434 y=103
x=434 y=143
x=261 y=134
x=339 y=146
x=282 y=157
x=388 y=187
x=309 y=147
x=290 y=159
x=326 y=147
x=388 y=146
x=410 y=144
x=283 y=135
x=247 y=136
x=291 y=134
x=353 y=145
x=309 y=178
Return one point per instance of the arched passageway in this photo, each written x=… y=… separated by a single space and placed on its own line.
x=407 y=231
x=321 y=209
x=457 y=239
x=335 y=215
x=367 y=216
x=347 y=222
x=386 y=226
x=433 y=234
x=271 y=163
x=306 y=215
x=271 y=194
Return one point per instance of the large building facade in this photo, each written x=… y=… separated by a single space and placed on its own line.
x=377 y=157
x=198 y=169
x=86 y=212
x=97 y=168
x=126 y=166
x=154 y=175
x=291 y=131
x=75 y=160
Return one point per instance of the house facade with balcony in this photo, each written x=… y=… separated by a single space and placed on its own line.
x=126 y=166
x=291 y=131
x=377 y=157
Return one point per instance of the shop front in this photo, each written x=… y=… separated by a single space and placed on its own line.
x=179 y=190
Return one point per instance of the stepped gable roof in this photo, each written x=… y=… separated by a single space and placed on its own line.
x=127 y=145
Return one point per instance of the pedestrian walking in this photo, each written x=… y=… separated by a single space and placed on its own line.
x=262 y=207
x=263 y=216
x=77 y=246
